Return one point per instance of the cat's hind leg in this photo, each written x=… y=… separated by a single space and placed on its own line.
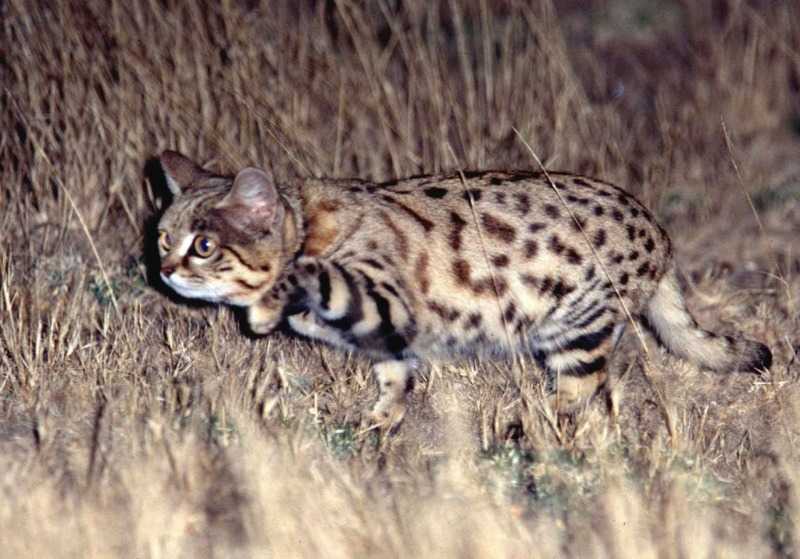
x=576 y=362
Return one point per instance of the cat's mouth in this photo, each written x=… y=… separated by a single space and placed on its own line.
x=193 y=290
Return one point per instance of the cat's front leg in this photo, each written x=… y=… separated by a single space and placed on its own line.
x=265 y=315
x=309 y=324
x=357 y=307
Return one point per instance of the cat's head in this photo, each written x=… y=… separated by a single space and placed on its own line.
x=222 y=238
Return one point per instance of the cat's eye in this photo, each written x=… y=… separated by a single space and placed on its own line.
x=203 y=246
x=164 y=241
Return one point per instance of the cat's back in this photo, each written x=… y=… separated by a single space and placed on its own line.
x=480 y=253
x=512 y=219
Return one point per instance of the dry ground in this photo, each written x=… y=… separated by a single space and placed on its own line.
x=135 y=426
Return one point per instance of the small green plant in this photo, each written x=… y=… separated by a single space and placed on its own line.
x=103 y=292
x=341 y=441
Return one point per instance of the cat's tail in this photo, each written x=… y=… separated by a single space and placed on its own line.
x=669 y=320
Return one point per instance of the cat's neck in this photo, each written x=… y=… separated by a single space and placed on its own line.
x=293 y=230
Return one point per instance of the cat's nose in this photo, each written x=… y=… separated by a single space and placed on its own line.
x=167 y=270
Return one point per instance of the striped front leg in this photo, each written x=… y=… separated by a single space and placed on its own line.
x=358 y=306
x=365 y=306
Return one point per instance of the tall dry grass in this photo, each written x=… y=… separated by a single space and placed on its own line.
x=133 y=426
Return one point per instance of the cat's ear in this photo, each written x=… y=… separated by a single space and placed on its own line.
x=180 y=171
x=253 y=199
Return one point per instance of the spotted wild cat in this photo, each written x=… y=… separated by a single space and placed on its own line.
x=480 y=263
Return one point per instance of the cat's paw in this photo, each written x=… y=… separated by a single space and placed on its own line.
x=388 y=413
x=575 y=392
x=305 y=324
x=263 y=318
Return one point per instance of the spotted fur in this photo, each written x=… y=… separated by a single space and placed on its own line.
x=464 y=264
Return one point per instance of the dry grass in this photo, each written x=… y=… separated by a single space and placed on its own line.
x=133 y=426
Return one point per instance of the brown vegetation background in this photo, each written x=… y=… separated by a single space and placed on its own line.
x=135 y=426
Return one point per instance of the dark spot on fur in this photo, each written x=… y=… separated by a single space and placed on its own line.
x=623 y=279
x=580 y=182
x=577 y=200
x=523 y=203
x=510 y=312
x=631 y=230
x=531 y=248
x=536 y=227
x=600 y=238
x=633 y=255
x=499 y=285
x=622 y=198
x=529 y=280
x=649 y=245
x=500 y=260
x=634 y=212
x=643 y=269
x=435 y=192
x=495 y=181
x=546 y=284
x=555 y=245
x=461 y=271
x=458 y=223
x=598 y=211
x=578 y=223
x=616 y=257
x=474 y=320
x=561 y=289
x=617 y=215
x=472 y=195
x=421 y=273
x=447 y=314
x=590 y=273
x=498 y=228
x=573 y=257
x=500 y=198
x=552 y=211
